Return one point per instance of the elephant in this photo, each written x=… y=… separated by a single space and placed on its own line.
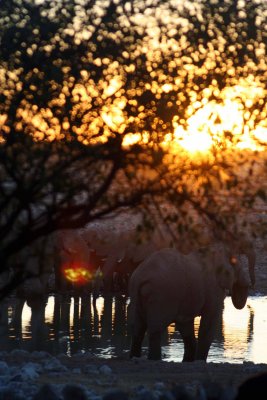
x=242 y=243
x=116 y=254
x=38 y=262
x=75 y=264
x=169 y=286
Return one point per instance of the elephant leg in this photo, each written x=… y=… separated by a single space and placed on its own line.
x=154 y=345
x=108 y=284
x=137 y=339
x=186 y=329
x=206 y=333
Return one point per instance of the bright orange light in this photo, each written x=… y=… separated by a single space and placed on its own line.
x=193 y=141
x=209 y=122
x=77 y=274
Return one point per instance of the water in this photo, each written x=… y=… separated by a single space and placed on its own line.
x=69 y=325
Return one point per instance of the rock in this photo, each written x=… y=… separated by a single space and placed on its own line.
x=9 y=394
x=76 y=370
x=21 y=353
x=39 y=355
x=78 y=355
x=4 y=370
x=115 y=395
x=54 y=365
x=47 y=392
x=77 y=392
x=142 y=393
x=166 y=395
x=13 y=370
x=25 y=389
x=213 y=390
x=105 y=369
x=228 y=393
x=249 y=367
x=201 y=393
x=180 y=392
x=29 y=373
x=159 y=386
x=91 y=369
x=16 y=378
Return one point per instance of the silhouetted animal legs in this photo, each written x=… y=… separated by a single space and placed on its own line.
x=137 y=339
x=186 y=330
x=154 y=346
x=206 y=333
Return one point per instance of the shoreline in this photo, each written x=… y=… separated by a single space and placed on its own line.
x=102 y=376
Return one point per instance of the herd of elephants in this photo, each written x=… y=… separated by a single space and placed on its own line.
x=165 y=284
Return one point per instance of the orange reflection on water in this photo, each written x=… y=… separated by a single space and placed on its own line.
x=237 y=330
x=99 y=309
x=258 y=348
x=49 y=310
x=26 y=321
x=241 y=335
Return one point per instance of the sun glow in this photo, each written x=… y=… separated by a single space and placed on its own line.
x=225 y=123
x=77 y=274
x=193 y=141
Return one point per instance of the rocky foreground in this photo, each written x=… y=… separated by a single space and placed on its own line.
x=40 y=376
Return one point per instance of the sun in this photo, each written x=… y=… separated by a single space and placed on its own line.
x=206 y=126
x=226 y=122
x=193 y=141
x=77 y=273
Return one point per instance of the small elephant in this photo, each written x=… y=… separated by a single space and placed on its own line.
x=169 y=286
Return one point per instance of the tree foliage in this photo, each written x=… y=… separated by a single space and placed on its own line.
x=97 y=98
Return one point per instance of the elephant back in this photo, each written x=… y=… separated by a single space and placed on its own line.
x=171 y=283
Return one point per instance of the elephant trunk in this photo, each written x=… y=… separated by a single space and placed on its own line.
x=241 y=286
x=239 y=295
x=246 y=247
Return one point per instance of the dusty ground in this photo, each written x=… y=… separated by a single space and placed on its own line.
x=127 y=375
x=102 y=376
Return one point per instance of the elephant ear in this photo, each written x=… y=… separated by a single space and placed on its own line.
x=239 y=295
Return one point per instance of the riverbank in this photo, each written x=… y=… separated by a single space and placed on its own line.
x=26 y=373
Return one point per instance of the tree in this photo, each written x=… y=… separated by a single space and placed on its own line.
x=96 y=101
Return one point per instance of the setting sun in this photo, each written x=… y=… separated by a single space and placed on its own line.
x=211 y=123
x=193 y=140
x=77 y=274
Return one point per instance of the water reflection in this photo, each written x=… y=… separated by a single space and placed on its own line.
x=237 y=331
x=66 y=324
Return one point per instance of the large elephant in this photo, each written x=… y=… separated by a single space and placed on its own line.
x=169 y=286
